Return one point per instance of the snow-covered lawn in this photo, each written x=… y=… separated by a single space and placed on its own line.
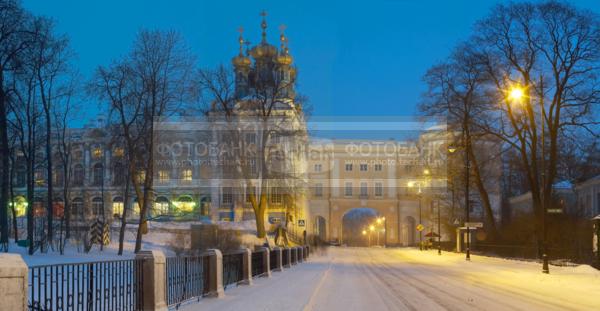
x=408 y=279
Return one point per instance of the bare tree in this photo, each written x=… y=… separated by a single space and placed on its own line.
x=14 y=39
x=263 y=104
x=51 y=68
x=457 y=89
x=552 y=50
x=153 y=80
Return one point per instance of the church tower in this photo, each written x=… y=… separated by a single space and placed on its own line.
x=264 y=66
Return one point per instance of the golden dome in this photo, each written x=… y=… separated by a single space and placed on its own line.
x=263 y=50
x=284 y=59
x=241 y=61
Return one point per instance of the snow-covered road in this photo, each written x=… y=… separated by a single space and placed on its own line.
x=408 y=279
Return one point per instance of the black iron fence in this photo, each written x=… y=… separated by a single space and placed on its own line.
x=233 y=268
x=285 y=254
x=186 y=279
x=273 y=260
x=294 y=252
x=105 y=285
x=258 y=263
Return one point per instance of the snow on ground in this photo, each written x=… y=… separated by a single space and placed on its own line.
x=161 y=236
x=408 y=279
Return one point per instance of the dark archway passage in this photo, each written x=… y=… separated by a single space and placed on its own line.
x=354 y=222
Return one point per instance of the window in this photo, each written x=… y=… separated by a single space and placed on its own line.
x=117 y=207
x=186 y=174
x=226 y=196
x=58 y=176
x=276 y=196
x=21 y=176
x=363 y=167
x=77 y=208
x=161 y=206
x=141 y=176
x=348 y=167
x=378 y=167
x=97 y=206
x=97 y=152
x=318 y=167
x=98 y=174
x=348 y=189
x=119 y=152
x=364 y=190
x=378 y=189
x=163 y=176
x=250 y=138
x=319 y=190
x=78 y=175
x=118 y=174
x=250 y=191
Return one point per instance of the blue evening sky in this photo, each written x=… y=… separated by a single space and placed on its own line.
x=354 y=58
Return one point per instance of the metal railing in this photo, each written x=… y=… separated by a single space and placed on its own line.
x=273 y=260
x=285 y=257
x=104 y=285
x=186 y=279
x=294 y=255
x=258 y=263
x=233 y=268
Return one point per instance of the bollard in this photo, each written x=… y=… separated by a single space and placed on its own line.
x=300 y=253
x=279 y=263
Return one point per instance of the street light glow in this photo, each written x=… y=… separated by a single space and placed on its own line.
x=516 y=93
x=372 y=228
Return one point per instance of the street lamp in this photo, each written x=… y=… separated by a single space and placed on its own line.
x=411 y=184
x=364 y=233
x=517 y=94
x=371 y=229
x=452 y=149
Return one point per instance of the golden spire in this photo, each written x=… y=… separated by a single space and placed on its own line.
x=263 y=25
x=241 y=40
x=283 y=38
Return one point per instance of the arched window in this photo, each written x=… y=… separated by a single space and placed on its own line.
x=78 y=175
x=184 y=204
x=98 y=174
x=119 y=174
x=77 y=208
x=21 y=176
x=117 y=207
x=161 y=206
x=58 y=177
x=97 y=206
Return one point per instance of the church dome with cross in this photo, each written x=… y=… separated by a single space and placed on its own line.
x=264 y=63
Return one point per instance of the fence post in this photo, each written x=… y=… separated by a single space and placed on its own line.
x=300 y=253
x=13 y=282
x=279 y=263
x=267 y=261
x=247 y=266
x=153 y=287
x=215 y=273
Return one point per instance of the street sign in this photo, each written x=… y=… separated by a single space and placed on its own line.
x=474 y=224
x=301 y=223
x=420 y=227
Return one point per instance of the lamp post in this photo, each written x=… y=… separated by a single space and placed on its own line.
x=371 y=229
x=452 y=149
x=516 y=94
x=419 y=194
x=439 y=230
